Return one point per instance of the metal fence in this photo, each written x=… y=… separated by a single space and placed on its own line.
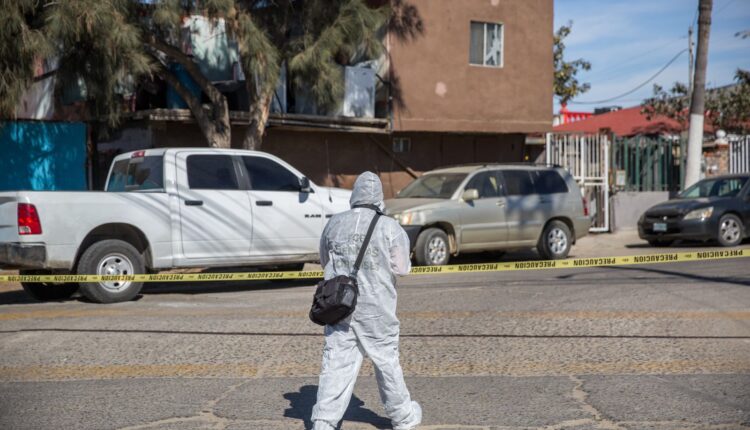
x=739 y=154
x=643 y=163
x=586 y=156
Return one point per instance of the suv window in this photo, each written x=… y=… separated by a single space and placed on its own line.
x=549 y=182
x=518 y=182
x=137 y=174
x=268 y=175
x=211 y=172
x=488 y=184
x=433 y=186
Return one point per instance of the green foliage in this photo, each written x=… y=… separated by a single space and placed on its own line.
x=674 y=104
x=314 y=37
x=566 y=86
x=98 y=46
x=260 y=58
x=727 y=108
x=91 y=40
x=22 y=44
x=334 y=33
x=103 y=44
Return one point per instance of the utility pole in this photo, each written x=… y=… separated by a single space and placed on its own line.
x=690 y=60
x=698 y=96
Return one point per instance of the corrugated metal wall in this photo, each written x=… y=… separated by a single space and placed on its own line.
x=42 y=156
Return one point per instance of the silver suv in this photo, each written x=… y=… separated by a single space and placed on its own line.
x=491 y=207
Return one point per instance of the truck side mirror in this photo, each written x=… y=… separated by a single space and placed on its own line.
x=304 y=185
x=470 y=195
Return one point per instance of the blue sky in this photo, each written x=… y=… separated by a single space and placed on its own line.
x=627 y=41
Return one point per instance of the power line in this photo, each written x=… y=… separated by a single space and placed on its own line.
x=636 y=88
x=635 y=59
x=726 y=5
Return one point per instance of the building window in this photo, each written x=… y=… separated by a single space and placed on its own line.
x=486 y=44
x=401 y=144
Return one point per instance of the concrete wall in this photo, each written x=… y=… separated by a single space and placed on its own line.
x=628 y=206
x=441 y=91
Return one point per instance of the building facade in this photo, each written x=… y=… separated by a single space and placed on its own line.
x=468 y=88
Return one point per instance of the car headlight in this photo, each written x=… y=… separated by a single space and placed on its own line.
x=409 y=218
x=700 y=214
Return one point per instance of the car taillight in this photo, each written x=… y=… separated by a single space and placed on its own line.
x=585 y=206
x=28 y=219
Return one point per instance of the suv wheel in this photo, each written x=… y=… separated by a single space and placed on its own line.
x=730 y=230
x=111 y=257
x=432 y=248
x=555 y=241
x=45 y=291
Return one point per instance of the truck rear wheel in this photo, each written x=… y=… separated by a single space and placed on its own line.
x=111 y=257
x=47 y=291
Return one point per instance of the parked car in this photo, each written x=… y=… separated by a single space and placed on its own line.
x=163 y=209
x=491 y=207
x=712 y=209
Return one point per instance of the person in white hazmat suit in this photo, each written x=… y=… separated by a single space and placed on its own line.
x=373 y=328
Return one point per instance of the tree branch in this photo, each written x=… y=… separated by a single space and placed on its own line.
x=193 y=102
x=178 y=56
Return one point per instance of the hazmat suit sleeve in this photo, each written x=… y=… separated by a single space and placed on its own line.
x=324 y=256
x=400 y=262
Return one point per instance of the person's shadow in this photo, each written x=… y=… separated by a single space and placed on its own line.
x=301 y=404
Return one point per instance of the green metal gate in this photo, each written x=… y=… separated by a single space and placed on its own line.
x=643 y=163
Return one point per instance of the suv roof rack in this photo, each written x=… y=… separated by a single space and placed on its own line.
x=512 y=163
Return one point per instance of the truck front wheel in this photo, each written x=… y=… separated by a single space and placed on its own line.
x=46 y=291
x=111 y=257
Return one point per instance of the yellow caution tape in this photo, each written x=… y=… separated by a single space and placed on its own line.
x=573 y=263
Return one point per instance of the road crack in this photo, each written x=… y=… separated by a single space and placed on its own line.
x=597 y=418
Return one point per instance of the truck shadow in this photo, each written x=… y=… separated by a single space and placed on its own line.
x=681 y=244
x=19 y=297
x=222 y=286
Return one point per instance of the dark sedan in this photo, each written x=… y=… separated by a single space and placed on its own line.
x=712 y=209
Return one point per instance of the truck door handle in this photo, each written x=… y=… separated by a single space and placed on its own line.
x=501 y=203
x=263 y=203
x=193 y=202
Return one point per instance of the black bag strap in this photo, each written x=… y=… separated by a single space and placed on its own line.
x=362 y=250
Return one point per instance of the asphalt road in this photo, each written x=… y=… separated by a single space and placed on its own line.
x=650 y=347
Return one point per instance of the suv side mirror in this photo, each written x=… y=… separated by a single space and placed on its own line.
x=470 y=195
x=304 y=185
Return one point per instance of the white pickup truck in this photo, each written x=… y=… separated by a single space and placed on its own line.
x=162 y=209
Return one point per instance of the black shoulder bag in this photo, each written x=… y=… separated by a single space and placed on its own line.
x=336 y=298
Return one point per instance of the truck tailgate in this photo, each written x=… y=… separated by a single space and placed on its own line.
x=9 y=216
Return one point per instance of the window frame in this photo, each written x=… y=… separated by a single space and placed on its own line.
x=501 y=24
x=498 y=177
x=248 y=182
x=531 y=181
x=237 y=175
x=129 y=162
x=536 y=176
